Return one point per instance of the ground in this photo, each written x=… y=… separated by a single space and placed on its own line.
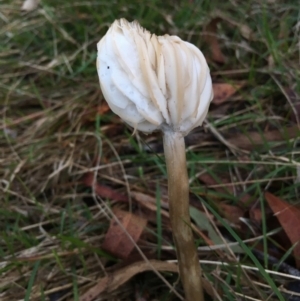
x=67 y=163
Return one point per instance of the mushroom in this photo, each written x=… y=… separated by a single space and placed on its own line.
x=160 y=83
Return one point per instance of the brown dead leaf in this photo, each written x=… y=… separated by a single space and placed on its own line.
x=116 y=239
x=222 y=91
x=231 y=213
x=254 y=139
x=112 y=281
x=211 y=39
x=255 y=214
x=289 y=218
x=102 y=190
x=225 y=188
x=249 y=140
x=210 y=181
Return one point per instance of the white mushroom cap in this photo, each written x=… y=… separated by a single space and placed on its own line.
x=153 y=82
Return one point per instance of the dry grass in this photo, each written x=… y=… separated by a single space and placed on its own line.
x=52 y=225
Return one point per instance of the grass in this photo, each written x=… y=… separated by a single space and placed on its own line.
x=52 y=226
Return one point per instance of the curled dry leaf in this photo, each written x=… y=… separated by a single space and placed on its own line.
x=30 y=5
x=211 y=39
x=116 y=279
x=112 y=281
x=289 y=218
x=117 y=241
x=222 y=92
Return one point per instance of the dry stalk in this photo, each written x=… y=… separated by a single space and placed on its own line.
x=178 y=185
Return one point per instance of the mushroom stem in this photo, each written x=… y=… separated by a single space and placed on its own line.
x=178 y=190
